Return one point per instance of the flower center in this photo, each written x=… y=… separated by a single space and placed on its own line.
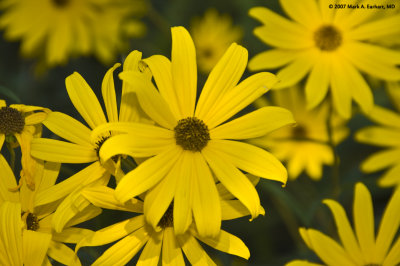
x=192 y=134
x=32 y=222
x=168 y=218
x=11 y=121
x=327 y=38
x=60 y=3
x=373 y=264
x=299 y=132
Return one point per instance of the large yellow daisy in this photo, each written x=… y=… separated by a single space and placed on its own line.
x=26 y=234
x=81 y=146
x=304 y=147
x=329 y=44
x=359 y=247
x=162 y=244
x=386 y=135
x=55 y=30
x=191 y=145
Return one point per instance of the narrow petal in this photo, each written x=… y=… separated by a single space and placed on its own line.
x=35 y=246
x=341 y=87
x=306 y=12
x=393 y=258
x=146 y=175
x=71 y=235
x=10 y=228
x=234 y=180
x=60 y=151
x=381 y=160
x=251 y=159
x=271 y=59
x=84 y=100
x=375 y=29
x=379 y=136
x=206 y=207
x=223 y=78
x=302 y=263
x=152 y=103
x=49 y=176
x=84 y=215
x=239 y=97
x=364 y=221
x=345 y=232
x=255 y=124
x=227 y=243
x=391 y=177
x=328 y=250
x=384 y=117
x=194 y=251
x=108 y=92
x=233 y=209
x=184 y=70
x=224 y=194
x=62 y=253
x=68 y=128
x=151 y=252
x=171 y=251
x=35 y=118
x=7 y=181
x=388 y=227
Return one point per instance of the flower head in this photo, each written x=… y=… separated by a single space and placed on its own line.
x=332 y=46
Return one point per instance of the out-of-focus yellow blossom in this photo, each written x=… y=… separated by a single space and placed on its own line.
x=386 y=135
x=26 y=235
x=212 y=35
x=332 y=46
x=55 y=30
x=305 y=146
x=81 y=146
x=358 y=247
x=20 y=123
x=192 y=144
x=161 y=244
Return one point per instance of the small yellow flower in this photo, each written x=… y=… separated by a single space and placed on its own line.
x=358 y=247
x=191 y=145
x=386 y=135
x=26 y=235
x=23 y=123
x=305 y=146
x=212 y=35
x=332 y=46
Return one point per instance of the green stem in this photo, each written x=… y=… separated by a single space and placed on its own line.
x=335 y=167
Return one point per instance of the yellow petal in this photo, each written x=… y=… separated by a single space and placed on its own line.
x=224 y=194
x=62 y=254
x=379 y=28
x=171 y=251
x=223 y=78
x=391 y=177
x=271 y=59
x=233 y=209
x=239 y=97
x=254 y=124
x=10 y=232
x=151 y=252
x=301 y=263
x=341 y=87
x=84 y=100
x=61 y=151
x=68 y=128
x=108 y=92
x=345 y=232
x=206 y=207
x=364 y=221
x=184 y=70
x=194 y=251
x=35 y=246
x=381 y=160
x=384 y=117
x=49 y=176
x=146 y=175
x=7 y=181
x=306 y=12
x=379 y=136
x=393 y=257
x=71 y=235
x=35 y=118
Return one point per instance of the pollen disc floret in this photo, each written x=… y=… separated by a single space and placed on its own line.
x=11 y=121
x=192 y=134
x=327 y=38
x=32 y=222
x=168 y=218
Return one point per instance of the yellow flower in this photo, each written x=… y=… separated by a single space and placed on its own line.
x=212 y=35
x=191 y=147
x=55 y=30
x=26 y=236
x=305 y=147
x=387 y=135
x=23 y=123
x=359 y=247
x=393 y=90
x=330 y=45
x=81 y=148
x=134 y=234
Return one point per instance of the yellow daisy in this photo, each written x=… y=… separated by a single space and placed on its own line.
x=26 y=236
x=80 y=147
x=162 y=244
x=21 y=123
x=305 y=147
x=191 y=145
x=330 y=44
x=68 y=28
x=212 y=35
x=359 y=247
x=386 y=135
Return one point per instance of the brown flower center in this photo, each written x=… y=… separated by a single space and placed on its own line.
x=192 y=134
x=168 y=218
x=32 y=222
x=327 y=38
x=299 y=132
x=11 y=121
x=60 y=3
